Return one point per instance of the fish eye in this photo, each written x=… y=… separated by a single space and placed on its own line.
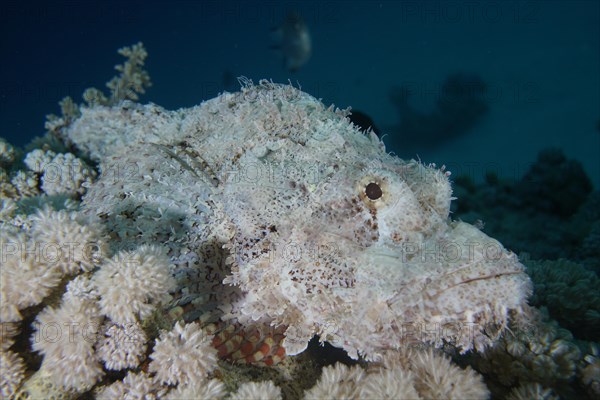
x=373 y=191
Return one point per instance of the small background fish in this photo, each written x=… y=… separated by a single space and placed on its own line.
x=293 y=39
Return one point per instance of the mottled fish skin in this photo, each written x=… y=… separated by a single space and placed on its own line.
x=283 y=218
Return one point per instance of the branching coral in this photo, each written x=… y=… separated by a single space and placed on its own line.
x=132 y=80
x=7 y=153
x=69 y=112
x=554 y=184
x=535 y=214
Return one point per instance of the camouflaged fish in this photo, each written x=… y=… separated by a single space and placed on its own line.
x=285 y=221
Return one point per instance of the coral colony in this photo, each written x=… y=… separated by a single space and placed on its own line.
x=195 y=253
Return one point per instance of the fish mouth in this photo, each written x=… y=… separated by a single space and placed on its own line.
x=408 y=277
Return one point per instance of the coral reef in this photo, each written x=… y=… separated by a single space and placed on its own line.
x=554 y=184
x=57 y=243
x=561 y=227
x=589 y=369
x=337 y=382
x=163 y=246
x=418 y=374
x=570 y=293
x=535 y=350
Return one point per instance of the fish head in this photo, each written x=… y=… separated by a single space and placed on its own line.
x=337 y=238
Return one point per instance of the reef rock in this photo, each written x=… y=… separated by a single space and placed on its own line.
x=278 y=212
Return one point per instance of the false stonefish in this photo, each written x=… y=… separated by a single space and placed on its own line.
x=280 y=214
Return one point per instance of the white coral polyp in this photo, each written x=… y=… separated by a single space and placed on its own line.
x=132 y=284
x=26 y=183
x=37 y=159
x=64 y=239
x=336 y=382
x=206 y=390
x=66 y=337
x=389 y=384
x=25 y=280
x=12 y=371
x=135 y=386
x=81 y=288
x=61 y=173
x=8 y=330
x=403 y=375
x=123 y=346
x=436 y=377
x=183 y=356
x=257 y=391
